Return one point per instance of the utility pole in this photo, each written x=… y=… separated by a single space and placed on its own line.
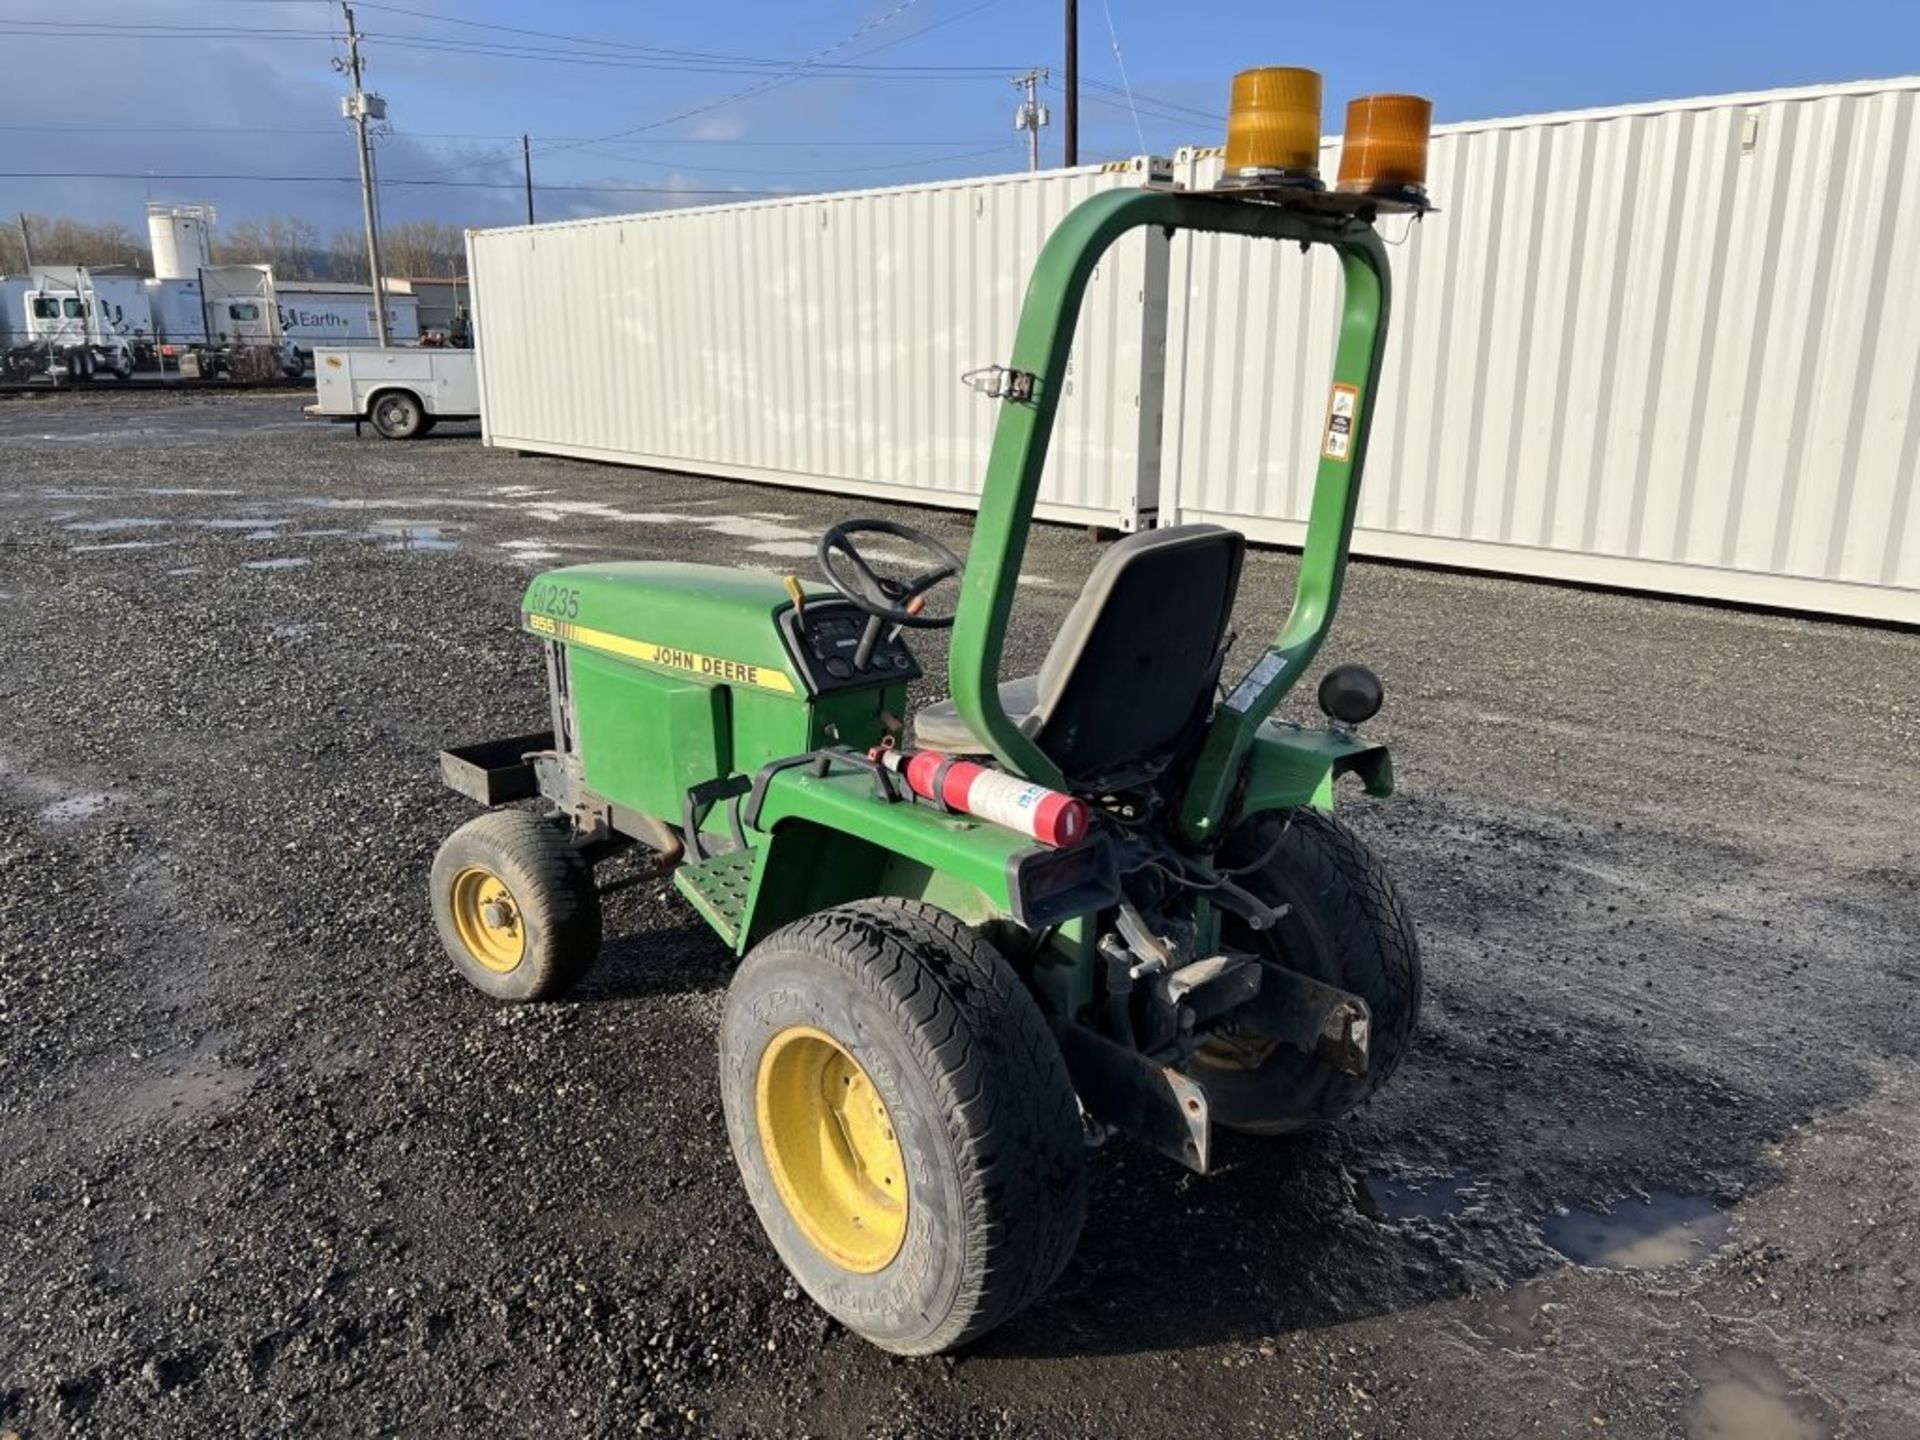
x=26 y=241
x=1032 y=114
x=526 y=167
x=359 y=107
x=1073 y=82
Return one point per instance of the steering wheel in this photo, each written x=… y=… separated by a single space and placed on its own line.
x=898 y=601
x=886 y=599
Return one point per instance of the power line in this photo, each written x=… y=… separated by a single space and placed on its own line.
x=824 y=142
x=1120 y=64
x=821 y=71
x=355 y=180
x=691 y=63
x=811 y=170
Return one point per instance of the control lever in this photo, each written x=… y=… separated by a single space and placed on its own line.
x=869 y=639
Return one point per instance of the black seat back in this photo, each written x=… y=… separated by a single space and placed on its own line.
x=1134 y=665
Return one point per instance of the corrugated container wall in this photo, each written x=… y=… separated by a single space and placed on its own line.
x=819 y=341
x=1674 y=347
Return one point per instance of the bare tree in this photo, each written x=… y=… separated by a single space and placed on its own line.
x=61 y=240
x=286 y=242
x=424 y=248
x=347 y=256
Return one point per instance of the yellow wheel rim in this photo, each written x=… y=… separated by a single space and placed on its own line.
x=831 y=1147
x=487 y=919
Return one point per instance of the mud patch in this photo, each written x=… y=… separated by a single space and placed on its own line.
x=1746 y=1396
x=1662 y=1229
x=1518 y=1319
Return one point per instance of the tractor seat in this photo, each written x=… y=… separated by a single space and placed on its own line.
x=1131 y=673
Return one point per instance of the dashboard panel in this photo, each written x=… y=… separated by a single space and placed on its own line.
x=824 y=639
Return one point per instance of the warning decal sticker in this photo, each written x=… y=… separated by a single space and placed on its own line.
x=1343 y=409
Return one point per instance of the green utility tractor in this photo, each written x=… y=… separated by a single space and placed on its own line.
x=935 y=1012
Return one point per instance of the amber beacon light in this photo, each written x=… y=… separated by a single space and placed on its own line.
x=1273 y=128
x=1384 y=153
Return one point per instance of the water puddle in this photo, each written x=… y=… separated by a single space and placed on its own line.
x=1664 y=1228
x=281 y=562
x=188 y=570
x=119 y=545
x=296 y=629
x=414 y=535
x=235 y=522
x=74 y=808
x=1392 y=1198
x=115 y=522
x=1745 y=1396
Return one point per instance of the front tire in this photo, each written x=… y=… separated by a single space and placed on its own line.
x=515 y=906
x=903 y=1123
x=396 y=415
x=1345 y=926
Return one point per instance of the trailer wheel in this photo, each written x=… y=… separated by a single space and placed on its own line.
x=903 y=1122
x=396 y=415
x=1345 y=925
x=516 y=906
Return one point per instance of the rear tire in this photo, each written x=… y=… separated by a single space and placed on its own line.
x=882 y=1047
x=396 y=415
x=1346 y=926
x=515 y=906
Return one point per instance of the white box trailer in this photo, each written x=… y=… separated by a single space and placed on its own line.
x=402 y=391
x=336 y=316
x=820 y=341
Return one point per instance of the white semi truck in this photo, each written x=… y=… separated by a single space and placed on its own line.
x=72 y=325
x=69 y=322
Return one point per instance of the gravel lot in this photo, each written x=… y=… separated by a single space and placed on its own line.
x=268 y=1168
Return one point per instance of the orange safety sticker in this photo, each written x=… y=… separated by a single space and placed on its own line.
x=1343 y=412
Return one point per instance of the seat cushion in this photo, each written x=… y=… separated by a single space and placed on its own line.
x=939 y=727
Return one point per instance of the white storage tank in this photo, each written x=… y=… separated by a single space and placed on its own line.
x=181 y=237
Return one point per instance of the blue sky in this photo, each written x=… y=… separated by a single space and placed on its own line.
x=247 y=103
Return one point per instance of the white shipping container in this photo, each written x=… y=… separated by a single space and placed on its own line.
x=1671 y=347
x=819 y=341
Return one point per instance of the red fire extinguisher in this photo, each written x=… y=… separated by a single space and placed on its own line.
x=965 y=788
